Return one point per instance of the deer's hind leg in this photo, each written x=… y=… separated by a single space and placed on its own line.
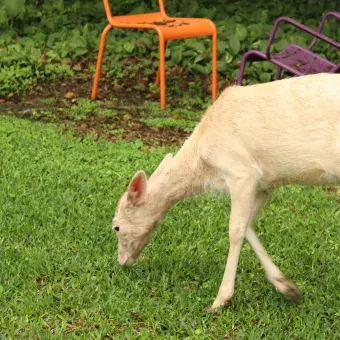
x=273 y=273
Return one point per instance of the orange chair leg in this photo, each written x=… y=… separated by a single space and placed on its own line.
x=158 y=71
x=99 y=61
x=162 y=70
x=214 y=66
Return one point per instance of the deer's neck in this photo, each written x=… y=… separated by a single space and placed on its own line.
x=181 y=179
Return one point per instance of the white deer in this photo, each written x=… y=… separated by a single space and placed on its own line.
x=251 y=140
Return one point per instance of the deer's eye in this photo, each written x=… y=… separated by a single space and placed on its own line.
x=116 y=228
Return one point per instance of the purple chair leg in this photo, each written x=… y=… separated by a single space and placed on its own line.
x=278 y=73
x=242 y=70
x=252 y=55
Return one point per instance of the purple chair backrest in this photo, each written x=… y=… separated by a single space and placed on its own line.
x=322 y=24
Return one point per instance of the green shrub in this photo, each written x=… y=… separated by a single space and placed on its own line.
x=39 y=33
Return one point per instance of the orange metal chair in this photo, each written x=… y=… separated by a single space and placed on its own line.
x=168 y=28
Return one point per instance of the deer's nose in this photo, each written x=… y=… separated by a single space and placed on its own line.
x=123 y=260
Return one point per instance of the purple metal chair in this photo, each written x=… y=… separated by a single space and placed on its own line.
x=295 y=59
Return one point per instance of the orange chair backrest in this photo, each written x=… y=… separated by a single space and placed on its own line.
x=109 y=14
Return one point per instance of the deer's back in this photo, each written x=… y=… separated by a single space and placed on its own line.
x=290 y=129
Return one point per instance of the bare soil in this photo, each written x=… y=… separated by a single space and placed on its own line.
x=56 y=97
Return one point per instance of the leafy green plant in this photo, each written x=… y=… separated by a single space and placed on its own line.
x=15 y=77
x=43 y=114
x=152 y=110
x=49 y=101
x=39 y=36
x=57 y=71
x=83 y=109
x=182 y=124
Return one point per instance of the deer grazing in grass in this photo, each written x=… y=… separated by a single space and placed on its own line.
x=252 y=140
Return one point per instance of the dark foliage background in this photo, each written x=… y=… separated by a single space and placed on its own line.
x=38 y=35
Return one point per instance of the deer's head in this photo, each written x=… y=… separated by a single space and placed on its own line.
x=138 y=212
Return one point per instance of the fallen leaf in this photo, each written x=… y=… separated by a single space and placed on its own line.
x=66 y=62
x=77 y=67
x=42 y=57
x=70 y=95
x=127 y=117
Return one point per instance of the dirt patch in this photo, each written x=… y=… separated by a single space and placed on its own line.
x=152 y=136
x=53 y=102
x=27 y=104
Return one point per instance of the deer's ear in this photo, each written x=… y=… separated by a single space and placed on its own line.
x=164 y=163
x=137 y=187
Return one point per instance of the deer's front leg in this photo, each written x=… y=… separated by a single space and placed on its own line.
x=242 y=193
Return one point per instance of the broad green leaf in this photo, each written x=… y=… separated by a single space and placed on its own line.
x=35 y=53
x=142 y=8
x=147 y=41
x=221 y=45
x=280 y=44
x=228 y=58
x=39 y=38
x=3 y=18
x=176 y=56
x=241 y=32
x=222 y=66
x=196 y=45
x=202 y=69
x=234 y=44
x=129 y=47
x=27 y=42
x=13 y=8
x=64 y=54
x=52 y=55
x=207 y=12
x=80 y=51
x=265 y=77
x=58 y=5
x=235 y=73
x=199 y=58
x=188 y=53
x=200 y=47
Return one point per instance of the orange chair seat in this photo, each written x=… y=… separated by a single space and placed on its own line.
x=172 y=28
x=167 y=28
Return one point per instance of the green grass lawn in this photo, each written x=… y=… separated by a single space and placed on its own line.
x=59 y=276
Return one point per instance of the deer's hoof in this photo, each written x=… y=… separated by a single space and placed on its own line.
x=288 y=289
x=218 y=306
x=292 y=293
